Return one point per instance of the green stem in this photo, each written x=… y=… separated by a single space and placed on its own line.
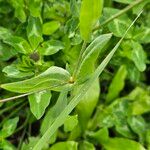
x=121 y=12
x=13 y=112
x=10 y=107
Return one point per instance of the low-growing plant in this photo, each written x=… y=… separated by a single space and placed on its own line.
x=52 y=54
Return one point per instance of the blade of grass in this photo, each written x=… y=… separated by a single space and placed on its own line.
x=73 y=103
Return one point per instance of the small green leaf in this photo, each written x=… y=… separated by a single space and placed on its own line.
x=53 y=78
x=34 y=32
x=89 y=14
x=4 y=33
x=117 y=84
x=39 y=102
x=9 y=127
x=19 y=44
x=69 y=145
x=70 y=123
x=50 y=47
x=50 y=27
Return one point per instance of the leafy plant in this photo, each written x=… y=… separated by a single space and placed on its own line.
x=52 y=56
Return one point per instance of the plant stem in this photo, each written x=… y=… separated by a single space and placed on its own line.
x=79 y=60
x=121 y=12
x=10 y=107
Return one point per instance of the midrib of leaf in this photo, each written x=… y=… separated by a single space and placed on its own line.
x=73 y=103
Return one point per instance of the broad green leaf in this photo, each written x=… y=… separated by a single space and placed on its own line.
x=76 y=99
x=70 y=123
x=91 y=54
x=39 y=102
x=85 y=145
x=54 y=78
x=117 y=84
x=50 y=27
x=122 y=144
x=13 y=72
x=54 y=112
x=69 y=145
x=87 y=104
x=50 y=47
x=119 y=25
x=142 y=34
x=34 y=32
x=8 y=127
x=19 y=44
x=89 y=14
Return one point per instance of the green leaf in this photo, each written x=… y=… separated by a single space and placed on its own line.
x=85 y=145
x=19 y=9
x=34 y=7
x=100 y=136
x=134 y=51
x=74 y=8
x=122 y=144
x=39 y=102
x=8 y=128
x=117 y=84
x=119 y=25
x=34 y=32
x=69 y=145
x=89 y=14
x=138 y=56
x=50 y=47
x=4 y=33
x=54 y=78
x=6 y=52
x=54 y=112
x=142 y=34
x=87 y=104
x=138 y=125
x=141 y=101
x=124 y=1
x=76 y=99
x=19 y=44
x=5 y=145
x=70 y=123
x=12 y=72
x=90 y=56
x=50 y=27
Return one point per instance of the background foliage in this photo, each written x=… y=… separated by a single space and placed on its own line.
x=49 y=52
